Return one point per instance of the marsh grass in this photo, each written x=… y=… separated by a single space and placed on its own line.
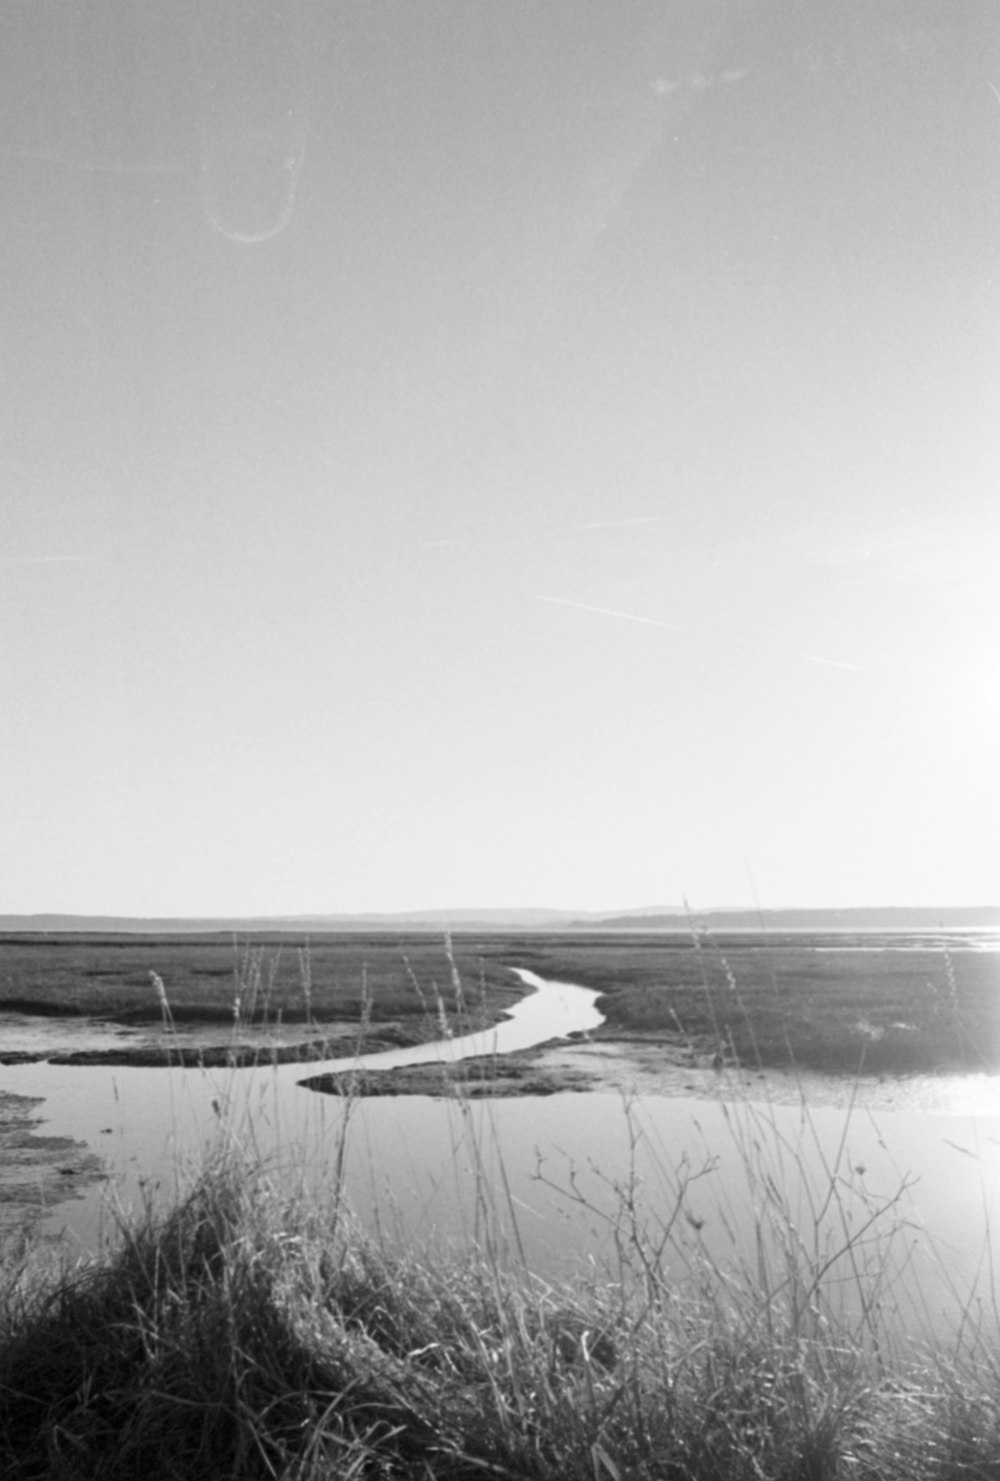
x=107 y=976
x=817 y=1002
x=251 y=1333
x=254 y=1329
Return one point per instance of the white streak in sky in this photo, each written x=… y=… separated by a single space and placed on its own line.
x=41 y=560
x=833 y=663
x=609 y=612
x=611 y=524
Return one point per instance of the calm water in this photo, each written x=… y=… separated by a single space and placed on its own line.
x=710 y=1168
x=146 y=1123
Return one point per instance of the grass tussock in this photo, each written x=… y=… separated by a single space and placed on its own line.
x=249 y=1334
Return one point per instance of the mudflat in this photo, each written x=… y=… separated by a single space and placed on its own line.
x=36 y=1171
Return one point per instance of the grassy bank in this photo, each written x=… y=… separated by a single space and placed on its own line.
x=829 y=1003
x=262 y=979
x=254 y=1330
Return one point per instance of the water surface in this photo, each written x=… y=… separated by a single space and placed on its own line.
x=913 y=1187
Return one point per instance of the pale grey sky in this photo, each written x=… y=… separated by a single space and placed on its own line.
x=459 y=453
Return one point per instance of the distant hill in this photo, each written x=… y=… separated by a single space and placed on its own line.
x=498 y=921
x=486 y=919
x=858 y=918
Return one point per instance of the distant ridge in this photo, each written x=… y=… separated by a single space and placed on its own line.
x=487 y=919
x=857 y=918
x=528 y=919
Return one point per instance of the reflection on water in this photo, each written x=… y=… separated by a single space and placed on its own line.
x=417 y=1166
x=144 y=1121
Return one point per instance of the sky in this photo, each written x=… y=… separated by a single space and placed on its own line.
x=464 y=454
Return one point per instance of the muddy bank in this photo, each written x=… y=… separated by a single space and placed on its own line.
x=103 y=1043
x=648 y=1066
x=38 y=1171
x=513 y=1074
x=229 y=1056
x=579 y=1062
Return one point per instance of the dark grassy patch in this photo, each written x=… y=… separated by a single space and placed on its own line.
x=474 y=1078
x=250 y=1335
x=209 y=977
x=781 y=1000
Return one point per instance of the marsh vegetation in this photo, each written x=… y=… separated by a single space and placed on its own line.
x=234 y=1001
x=882 y=1002
x=256 y=1327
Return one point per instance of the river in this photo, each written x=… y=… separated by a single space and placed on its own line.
x=912 y=1192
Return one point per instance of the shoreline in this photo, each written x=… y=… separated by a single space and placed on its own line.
x=37 y=1172
x=193 y=1044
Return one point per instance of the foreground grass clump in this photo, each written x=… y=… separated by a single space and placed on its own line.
x=246 y=1335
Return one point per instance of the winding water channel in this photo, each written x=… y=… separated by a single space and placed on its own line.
x=148 y=1124
x=912 y=1191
